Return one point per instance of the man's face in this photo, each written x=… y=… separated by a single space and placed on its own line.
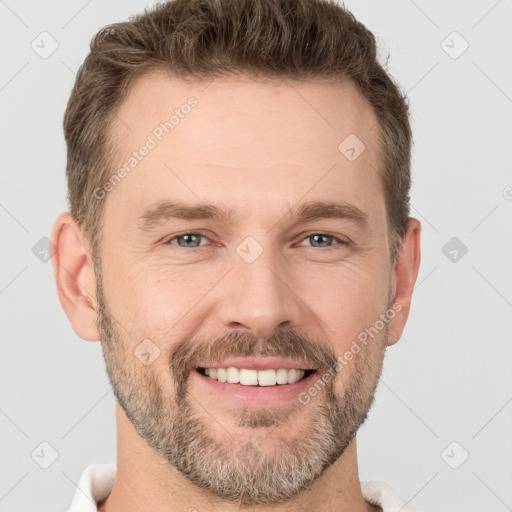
x=262 y=284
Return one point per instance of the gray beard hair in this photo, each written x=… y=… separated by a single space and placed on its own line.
x=247 y=473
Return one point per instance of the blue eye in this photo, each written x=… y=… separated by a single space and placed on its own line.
x=190 y=240
x=193 y=240
x=322 y=239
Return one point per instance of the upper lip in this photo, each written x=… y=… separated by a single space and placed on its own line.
x=259 y=363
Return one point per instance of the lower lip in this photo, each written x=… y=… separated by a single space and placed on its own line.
x=257 y=395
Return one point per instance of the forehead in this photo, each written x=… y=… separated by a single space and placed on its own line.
x=247 y=139
x=238 y=108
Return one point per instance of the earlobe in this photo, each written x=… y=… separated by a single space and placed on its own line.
x=404 y=277
x=74 y=276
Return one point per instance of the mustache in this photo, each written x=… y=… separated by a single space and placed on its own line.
x=193 y=353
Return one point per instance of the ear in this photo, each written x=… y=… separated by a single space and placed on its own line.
x=404 y=277
x=74 y=276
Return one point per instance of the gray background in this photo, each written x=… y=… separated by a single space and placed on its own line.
x=447 y=380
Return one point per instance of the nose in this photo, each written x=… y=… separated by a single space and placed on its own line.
x=259 y=298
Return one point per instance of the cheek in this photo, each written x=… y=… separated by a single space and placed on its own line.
x=158 y=302
x=347 y=300
x=168 y=303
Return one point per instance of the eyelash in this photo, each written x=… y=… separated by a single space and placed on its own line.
x=329 y=235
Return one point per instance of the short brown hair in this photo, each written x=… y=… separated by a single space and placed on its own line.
x=203 y=39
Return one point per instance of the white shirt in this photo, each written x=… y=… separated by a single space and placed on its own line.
x=98 y=479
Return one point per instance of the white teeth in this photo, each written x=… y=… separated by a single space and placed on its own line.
x=232 y=375
x=267 y=378
x=295 y=375
x=282 y=376
x=247 y=377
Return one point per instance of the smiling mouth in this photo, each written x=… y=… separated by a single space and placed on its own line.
x=256 y=378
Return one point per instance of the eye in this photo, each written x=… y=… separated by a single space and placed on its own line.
x=193 y=240
x=323 y=240
x=190 y=240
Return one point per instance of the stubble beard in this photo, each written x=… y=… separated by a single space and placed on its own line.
x=267 y=469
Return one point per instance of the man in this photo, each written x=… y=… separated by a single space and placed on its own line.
x=239 y=240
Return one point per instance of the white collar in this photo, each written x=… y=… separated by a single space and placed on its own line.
x=98 y=479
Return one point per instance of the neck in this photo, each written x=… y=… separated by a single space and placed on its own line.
x=143 y=477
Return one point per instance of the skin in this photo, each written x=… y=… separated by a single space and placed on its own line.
x=261 y=149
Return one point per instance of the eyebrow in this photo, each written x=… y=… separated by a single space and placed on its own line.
x=162 y=211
